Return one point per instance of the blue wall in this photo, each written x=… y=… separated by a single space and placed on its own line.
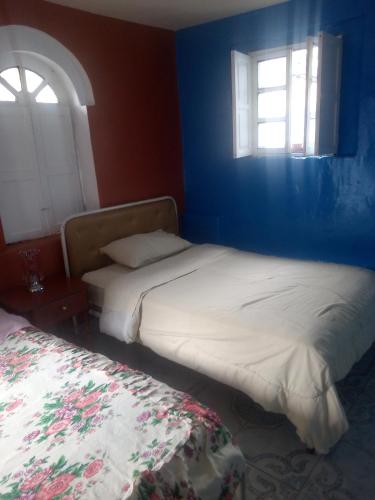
x=319 y=208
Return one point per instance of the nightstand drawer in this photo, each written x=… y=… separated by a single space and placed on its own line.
x=60 y=310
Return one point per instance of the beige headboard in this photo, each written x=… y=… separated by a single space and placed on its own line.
x=84 y=234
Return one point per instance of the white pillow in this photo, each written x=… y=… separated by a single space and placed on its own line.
x=141 y=249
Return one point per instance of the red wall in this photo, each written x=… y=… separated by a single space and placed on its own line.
x=134 y=123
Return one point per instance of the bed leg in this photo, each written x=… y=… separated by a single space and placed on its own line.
x=311 y=451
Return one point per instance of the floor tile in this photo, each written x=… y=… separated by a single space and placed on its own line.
x=362 y=420
x=279 y=453
x=346 y=474
x=261 y=486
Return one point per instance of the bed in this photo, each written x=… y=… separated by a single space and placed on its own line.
x=74 y=424
x=282 y=331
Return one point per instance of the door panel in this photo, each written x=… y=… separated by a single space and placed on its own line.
x=57 y=161
x=39 y=179
x=20 y=209
x=20 y=188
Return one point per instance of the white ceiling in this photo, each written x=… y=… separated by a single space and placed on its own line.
x=170 y=14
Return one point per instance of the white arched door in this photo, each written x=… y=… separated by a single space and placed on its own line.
x=39 y=177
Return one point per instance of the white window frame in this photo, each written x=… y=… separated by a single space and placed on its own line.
x=332 y=76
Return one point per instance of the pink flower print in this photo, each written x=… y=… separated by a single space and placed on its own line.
x=73 y=396
x=93 y=468
x=148 y=475
x=63 y=368
x=58 y=426
x=160 y=414
x=91 y=411
x=88 y=400
x=31 y=436
x=17 y=360
x=35 y=480
x=55 y=488
x=144 y=416
x=126 y=487
x=79 y=486
x=21 y=368
x=195 y=408
x=154 y=496
x=77 y=364
x=67 y=497
x=67 y=411
x=113 y=387
x=27 y=496
x=14 y=405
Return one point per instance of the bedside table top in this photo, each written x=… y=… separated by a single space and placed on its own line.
x=20 y=301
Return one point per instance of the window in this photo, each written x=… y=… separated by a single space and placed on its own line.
x=40 y=182
x=286 y=100
x=17 y=84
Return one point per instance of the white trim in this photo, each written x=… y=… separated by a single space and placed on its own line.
x=338 y=95
x=234 y=107
x=20 y=39
x=115 y=207
x=263 y=55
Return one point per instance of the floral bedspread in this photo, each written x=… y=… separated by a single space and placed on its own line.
x=74 y=424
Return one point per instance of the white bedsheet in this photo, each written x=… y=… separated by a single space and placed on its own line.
x=98 y=280
x=282 y=331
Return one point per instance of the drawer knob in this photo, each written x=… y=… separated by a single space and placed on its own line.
x=64 y=308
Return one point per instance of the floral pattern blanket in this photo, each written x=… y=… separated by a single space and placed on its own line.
x=74 y=424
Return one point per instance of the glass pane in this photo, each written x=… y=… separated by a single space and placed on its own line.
x=315 y=59
x=47 y=95
x=12 y=76
x=32 y=80
x=313 y=99
x=298 y=101
x=272 y=104
x=310 y=147
x=6 y=95
x=271 y=135
x=272 y=73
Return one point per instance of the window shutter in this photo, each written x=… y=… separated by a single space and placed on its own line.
x=241 y=95
x=328 y=99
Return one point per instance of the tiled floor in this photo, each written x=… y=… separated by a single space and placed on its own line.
x=279 y=466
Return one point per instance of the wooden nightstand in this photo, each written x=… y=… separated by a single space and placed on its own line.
x=63 y=298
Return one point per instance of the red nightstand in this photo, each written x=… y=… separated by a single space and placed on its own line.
x=62 y=299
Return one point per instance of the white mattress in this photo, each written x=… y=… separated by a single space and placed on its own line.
x=98 y=280
x=282 y=331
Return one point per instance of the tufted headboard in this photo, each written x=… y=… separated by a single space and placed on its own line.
x=84 y=234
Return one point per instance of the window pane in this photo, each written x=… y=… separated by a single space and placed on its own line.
x=272 y=73
x=313 y=99
x=47 y=95
x=272 y=104
x=6 y=95
x=32 y=80
x=271 y=135
x=298 y=101
x=315 y=59
x=310 y=147
x=12 y=76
